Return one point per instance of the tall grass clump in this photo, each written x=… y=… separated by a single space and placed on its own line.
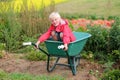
x=10 y=30
x=33 y=21
x=16 y=27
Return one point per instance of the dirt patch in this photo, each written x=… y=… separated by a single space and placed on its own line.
x=11 y=63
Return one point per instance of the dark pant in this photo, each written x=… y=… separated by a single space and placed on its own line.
x=57 y=35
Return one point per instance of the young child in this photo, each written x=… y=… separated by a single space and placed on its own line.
x=59 y=31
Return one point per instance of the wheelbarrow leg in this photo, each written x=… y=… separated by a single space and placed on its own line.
x=77 y=60
x=72 y=65
x=74 y=62
x=48 y=64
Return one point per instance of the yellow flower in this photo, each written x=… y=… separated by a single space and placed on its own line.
x=17 y=4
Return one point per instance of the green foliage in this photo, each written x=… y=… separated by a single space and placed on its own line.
x=94 y=73
x=18 y=76
x=23 y=76
x=111 y=75
x=2 y=26
x=2 y=46
x=105 y=42
x=36 y=55
x=10 y=30
x=15 y=27
x=100 y=56
x=77 y=16
x=2 y=74
x=98 y=41
x=116 y=55
x=115 y=38
x=108 y=66
x=1 y=55
x=12 y=34
x=87 y=55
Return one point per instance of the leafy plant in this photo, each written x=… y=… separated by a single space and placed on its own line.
x=12 y=34
x=2 y=75
x=87 y=55
x=98 y=41
x=35 y=56
x=116 y=55
x=114 y=38
x=108 y=66
x=111 y=75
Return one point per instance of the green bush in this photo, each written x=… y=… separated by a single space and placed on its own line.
x=111 y=75
x=114 y=35
x=114 y=41
x=99 y=39
x=116 y=55
x=36 y=55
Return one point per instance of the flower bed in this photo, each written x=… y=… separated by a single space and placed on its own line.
x=83 y=23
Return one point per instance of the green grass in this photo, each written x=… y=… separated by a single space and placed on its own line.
x=91 y=7
x=23 y=76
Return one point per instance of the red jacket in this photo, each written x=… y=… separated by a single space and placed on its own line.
x=64 y=28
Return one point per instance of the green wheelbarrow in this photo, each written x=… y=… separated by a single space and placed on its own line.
x=55 y=49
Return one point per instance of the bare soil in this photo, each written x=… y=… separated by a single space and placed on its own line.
x=14 y=63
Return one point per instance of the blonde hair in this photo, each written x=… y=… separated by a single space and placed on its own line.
x=54 y=15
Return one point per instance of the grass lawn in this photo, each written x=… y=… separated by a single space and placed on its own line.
x=91 y=7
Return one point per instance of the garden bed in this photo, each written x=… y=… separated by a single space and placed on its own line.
x=87 y=70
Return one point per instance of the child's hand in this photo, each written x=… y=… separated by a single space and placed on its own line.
x=65 y=47
x=37 y=44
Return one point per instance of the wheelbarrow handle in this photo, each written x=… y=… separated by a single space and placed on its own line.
x=31 y=43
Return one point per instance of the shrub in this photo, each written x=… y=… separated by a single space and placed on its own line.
x=11 y=31
x=98 y=41
x=116 y=55
x=35 y=55
x=114 y=41
x=111 y=75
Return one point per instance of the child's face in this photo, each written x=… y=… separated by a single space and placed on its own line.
x=55 y=21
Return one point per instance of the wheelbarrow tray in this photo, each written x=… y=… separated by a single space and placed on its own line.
x=74 y=48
